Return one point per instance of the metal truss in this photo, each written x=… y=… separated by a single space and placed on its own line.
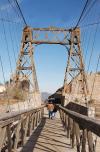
x=70 y=38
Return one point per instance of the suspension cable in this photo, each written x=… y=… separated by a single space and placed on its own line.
x=14 y=8
x=21 y=12
x=9 y=21
x=8 y=105
x=95 y=76
x=81 y=14
x=12 y=41
x=88 y=42
x=92 y=48
x=7 y=46
x=89 y=10
x=5 y=37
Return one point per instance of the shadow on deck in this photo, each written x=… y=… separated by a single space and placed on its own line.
x=31 y=142
x=48 y=137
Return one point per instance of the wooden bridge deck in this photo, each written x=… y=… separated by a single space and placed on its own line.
x=48 y=137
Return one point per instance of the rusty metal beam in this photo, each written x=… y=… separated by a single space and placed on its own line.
x=49 y=42
x=51 y=29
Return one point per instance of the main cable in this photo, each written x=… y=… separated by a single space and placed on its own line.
x=21 y=12
x=89 y=10
x=14 y=8
x=81 y=14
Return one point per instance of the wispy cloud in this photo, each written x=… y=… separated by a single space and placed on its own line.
x=9 y=6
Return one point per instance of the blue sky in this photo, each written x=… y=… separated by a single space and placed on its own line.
x=50 y=60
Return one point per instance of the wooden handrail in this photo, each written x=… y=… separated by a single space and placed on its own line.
x=86 y=122
x=17 y=126
x=80 y=128
x=18 y=114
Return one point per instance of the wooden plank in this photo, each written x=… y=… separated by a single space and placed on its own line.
x=31 y=125
x=17 y=135
x=90 y=141
x=77 y=134
x=72 y=132
x=34 y=120
x=9 y=138
x=3 y=136
x=83 y=140
x=25 y=129
x=68 y=128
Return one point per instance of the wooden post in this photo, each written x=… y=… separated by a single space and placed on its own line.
x=68 y=127
x=42 y=112
x=9 y=138
x=61 y=115
x=17 y=134
x=37 y=118
x=31 y=125
x=26 y=129
x=90 y=141
x=2 y=137
x=83 y=140
x=66 y=121
x=77 y=133
x=72 y=132
x=34 y=120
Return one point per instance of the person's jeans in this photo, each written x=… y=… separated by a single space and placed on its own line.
x=50 y=114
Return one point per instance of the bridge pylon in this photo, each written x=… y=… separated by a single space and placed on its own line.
x=25 y=70
x=75 y=69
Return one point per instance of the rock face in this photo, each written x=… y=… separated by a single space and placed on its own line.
x=93 y=81
x=74 y=91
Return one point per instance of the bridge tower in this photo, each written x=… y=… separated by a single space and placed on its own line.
x=25 y=70
x=75 y=70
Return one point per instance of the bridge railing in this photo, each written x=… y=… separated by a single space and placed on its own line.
x=16 y=127
x=80 y=129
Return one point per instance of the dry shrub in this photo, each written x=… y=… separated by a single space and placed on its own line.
x=16 y=93
x=76 y=100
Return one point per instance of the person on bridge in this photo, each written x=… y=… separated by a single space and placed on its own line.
x=50 y=108
x=54 y=110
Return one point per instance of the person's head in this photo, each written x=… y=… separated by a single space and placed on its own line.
x=49 y=101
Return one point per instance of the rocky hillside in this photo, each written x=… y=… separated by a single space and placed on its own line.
x=45 y=95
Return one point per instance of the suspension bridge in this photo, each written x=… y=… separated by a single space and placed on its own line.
x=24 y=122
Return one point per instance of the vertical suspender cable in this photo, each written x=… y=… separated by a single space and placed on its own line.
x=7 y=46
x=8 y=105
x=12 y=41
x=92 y=48
x=95 y=76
